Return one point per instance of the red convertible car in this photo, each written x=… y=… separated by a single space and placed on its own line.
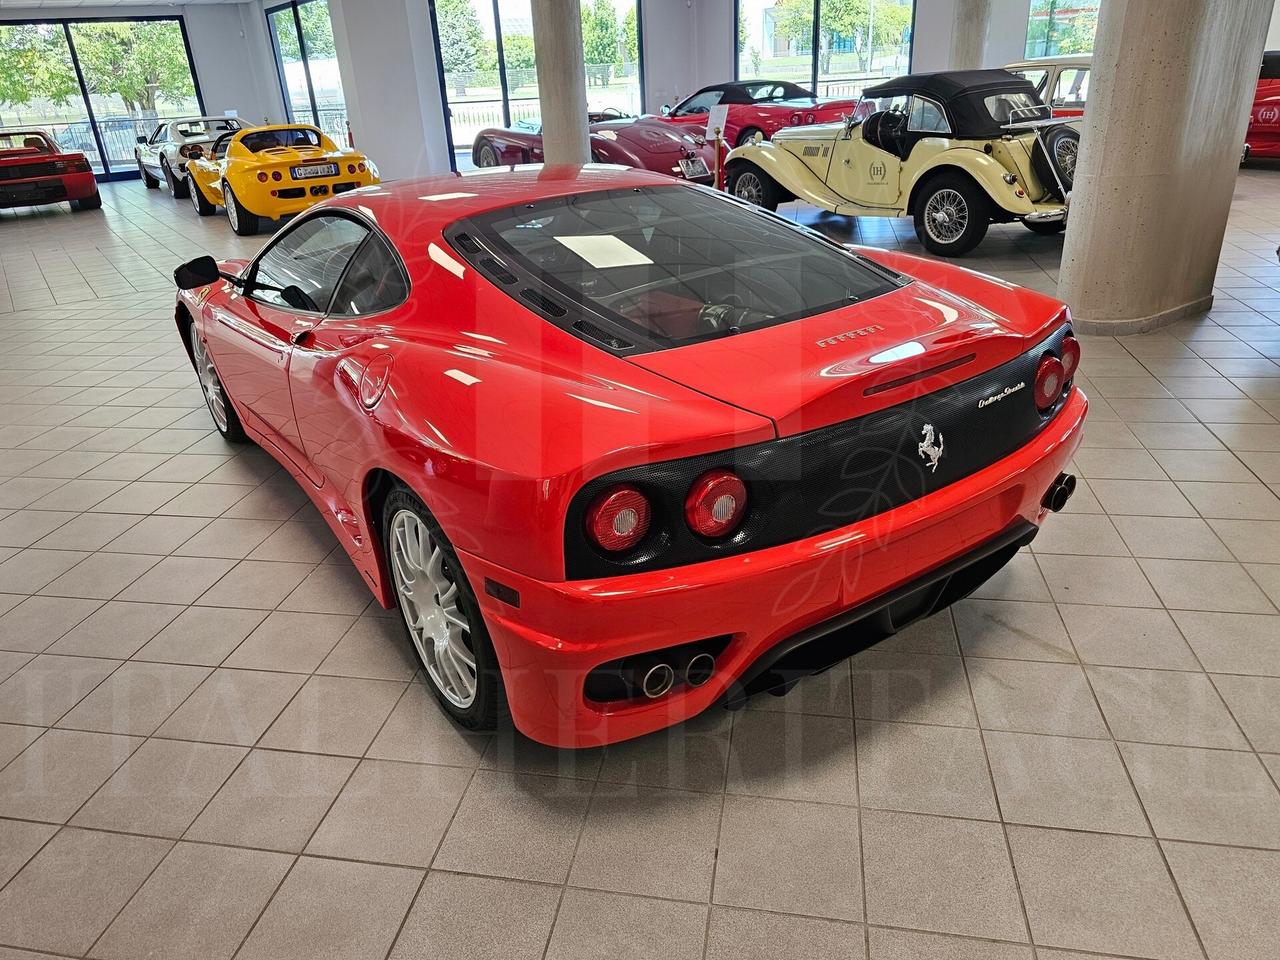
x=622 y=448
x=646 y=143
x=1263 y=137
x=756 y=106
x=35 y=170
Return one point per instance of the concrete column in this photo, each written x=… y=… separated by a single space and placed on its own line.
x=1169 y=101
x=387 y=59
x=969 y=34
x=562 y=80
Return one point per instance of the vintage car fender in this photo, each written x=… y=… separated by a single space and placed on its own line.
x=207 y=174
x=935 y=155
x=792 y=174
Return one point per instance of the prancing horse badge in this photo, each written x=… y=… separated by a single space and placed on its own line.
x=929 y=451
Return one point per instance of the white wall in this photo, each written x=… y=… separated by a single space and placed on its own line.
x=687 y=45
x=1273 y=34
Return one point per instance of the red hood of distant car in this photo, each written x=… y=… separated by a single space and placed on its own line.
x=650 y=135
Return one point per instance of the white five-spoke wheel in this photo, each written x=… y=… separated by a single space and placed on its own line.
x=209 y=383
x=429 y=599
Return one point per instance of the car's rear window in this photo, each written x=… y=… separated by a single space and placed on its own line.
x=28 y=141
x=206 y=128
x=667 y=266
x=259 y=140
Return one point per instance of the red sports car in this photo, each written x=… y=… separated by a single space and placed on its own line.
x=1263 y=136
x=646 y=143
x=35 y=170
x=620 y=447
x=756 y=106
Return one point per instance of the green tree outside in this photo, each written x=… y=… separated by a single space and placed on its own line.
x=140 y=62
x=461 y=41
x=599 y=40
x=844 y=21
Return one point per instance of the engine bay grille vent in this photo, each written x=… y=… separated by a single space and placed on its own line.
x=543 y=303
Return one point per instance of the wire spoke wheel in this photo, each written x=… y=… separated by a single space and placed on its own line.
x=1065 y=152
x=429 y=600
x=209 y=382
x=946 y=216
x=749 y=188
x=486 y=157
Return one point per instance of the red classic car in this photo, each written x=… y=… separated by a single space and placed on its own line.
x=622 y=447
x=35 y=170
x=1263 y=136
x=756 y=106
x=646 y=143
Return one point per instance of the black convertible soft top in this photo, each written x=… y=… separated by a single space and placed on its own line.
x=962 y=94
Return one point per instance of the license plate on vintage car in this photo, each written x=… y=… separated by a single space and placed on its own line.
x=314 y=170
x=694 y=167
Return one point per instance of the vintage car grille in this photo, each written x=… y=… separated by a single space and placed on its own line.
x=20 y=171
x=813 y=482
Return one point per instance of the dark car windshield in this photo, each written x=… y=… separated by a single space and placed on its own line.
x=257 y=140
x=672 y=266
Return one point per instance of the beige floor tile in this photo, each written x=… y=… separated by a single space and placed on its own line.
x=200 y=902
x=201 y=635
x=1101 y=893
x=689 y=756
x=1020 y=579
x=100 y=576
x=911 y=688
x=1175 y=538
x=334 y=910
x=29 y=570
x=69 y=892
x=116 y=630
x=827 y=693
x=940 y=874
x=1014 y=630
x=232 y=706
x=793 y=756
x=255 y=584
x=1145 y=498
x=290 y=642
x=1127 y=637
x=35 y=623
x=330 y=588
x=592 y=924
x=1107 y=581
x=1082 y=534
x=788 y=856
x=391 y=813
x=60 y=771
x=418 y=730
x=933 y=635
x=156 y=535
x=478 y=917
x=512 y=751
x=135 y=699
x=376 y=648
x=273 y=800
x=48 y=686
x=1157 y=706
x=1232 y=897
x=755 y=935
x=1232 y=501
x=517 y=826
x=176 y=580
x=914 y=945
x=303 y=542
x=15 y=738
x=88 y=531
x=1250 y=541
x=1216 y=465
x=1252 y=701
x=1202 y=585
x=1029 y=697
x=20 y=840
x=1233 y=642
x=334 y=715
x=924 y=769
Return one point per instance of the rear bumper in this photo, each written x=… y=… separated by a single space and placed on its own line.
x=561 y=631
x=40 y=190
x=1055 y=215
x=256 y=197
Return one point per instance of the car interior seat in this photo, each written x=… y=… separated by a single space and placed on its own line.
x=34 y=143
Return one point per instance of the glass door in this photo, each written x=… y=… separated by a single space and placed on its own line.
x=307 y=63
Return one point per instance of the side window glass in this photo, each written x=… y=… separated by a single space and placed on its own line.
x=311 y=258
x=927 y=117
x=699 y=103
x=374 y=282
x=161 y=134
x=1072 y=89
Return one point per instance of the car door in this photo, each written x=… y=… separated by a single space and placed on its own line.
x=251 y=338
x=149 y=152
x=865 y=172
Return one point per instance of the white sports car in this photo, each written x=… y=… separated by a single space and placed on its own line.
x=162 y=156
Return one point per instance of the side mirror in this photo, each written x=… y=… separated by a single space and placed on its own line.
x=199 y=272
x=666 y=109
x=295 y=297
x=142 y=139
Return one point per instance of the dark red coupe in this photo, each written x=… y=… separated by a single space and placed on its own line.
x=646 y=143
x=756 y=106
x=621 y=448
x=35 y=170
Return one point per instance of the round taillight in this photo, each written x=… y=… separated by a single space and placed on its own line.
x=795 y=119
x=361 y=167
x=809 y=118
x=1050 y=378
x=262 y=177
x=618 y=519
x=275 y=175
x=716 y=503
x=351 y=168
x=1070 y=356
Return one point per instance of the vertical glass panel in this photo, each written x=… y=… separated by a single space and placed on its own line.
x=468 y=49
x=38 y=87
x=611 y=51
x=1060 y=27
x=293 y=74
x=775 y=40
x=860 y=42
x=137 y=73
x=516 y=21
x=322 y=63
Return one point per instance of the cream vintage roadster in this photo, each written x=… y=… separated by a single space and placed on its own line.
x=956 y=151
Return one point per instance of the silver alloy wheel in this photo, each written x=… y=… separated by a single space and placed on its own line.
x=229 y=201
x=193 y=192
x=946 y=216
x=429 y=601
x=749 y=187
x=486 y=157
x=1066 y=151
x=209 y=382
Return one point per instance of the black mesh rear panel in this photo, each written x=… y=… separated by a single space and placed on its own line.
x=811 y=483
x=21 y=171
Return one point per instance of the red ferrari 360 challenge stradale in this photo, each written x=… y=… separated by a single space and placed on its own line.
x=622 y=448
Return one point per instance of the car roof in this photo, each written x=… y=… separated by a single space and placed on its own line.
x=1067 y=60
x=738 y=88
x=947 y=84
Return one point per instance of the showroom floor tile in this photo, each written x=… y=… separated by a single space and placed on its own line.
x=214 y=744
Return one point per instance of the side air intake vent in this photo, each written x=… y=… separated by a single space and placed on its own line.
x=497 y=271
x=465 y=241
x=545 y=304
x=600 y=335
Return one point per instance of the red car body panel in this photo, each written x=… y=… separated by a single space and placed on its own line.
x=31 y=177
x=1263 y=136
x=496 y=418
x=646 y=143
x=768 y=117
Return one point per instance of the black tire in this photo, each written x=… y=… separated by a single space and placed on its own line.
x=1063 y=144
x=91 y=202
x=489 y=706
x=232 y=430
x=1045 y=229
x=177 y=185
x=148 y=181
x=243 y=222
x=485 y=154
x=748 y=182
x=957 y=196
x=747 y=136
x=198 y=200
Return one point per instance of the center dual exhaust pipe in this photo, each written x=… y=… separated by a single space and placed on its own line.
x=659 y=678
x=1059 y=492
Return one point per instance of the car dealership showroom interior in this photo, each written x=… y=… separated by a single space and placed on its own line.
x=627 y=479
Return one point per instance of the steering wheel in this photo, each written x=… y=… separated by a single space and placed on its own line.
x=612 y=112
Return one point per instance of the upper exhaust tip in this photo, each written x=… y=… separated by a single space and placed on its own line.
x=657 y=680
x=699 y=669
